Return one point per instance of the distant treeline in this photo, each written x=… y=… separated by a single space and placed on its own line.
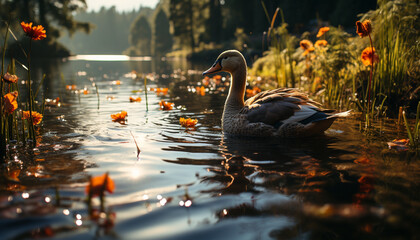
x=194 y=25
x=109 y=33
x=176 y=25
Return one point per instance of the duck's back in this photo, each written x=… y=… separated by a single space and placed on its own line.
x=283 y=112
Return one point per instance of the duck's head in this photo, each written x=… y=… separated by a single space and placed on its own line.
x=228 y=61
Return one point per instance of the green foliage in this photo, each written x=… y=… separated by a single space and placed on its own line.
x=413 y=134
x=181 y=16
x=396 y=30
x=335 y=73
x=109 y=34
x=140 y=36
x=54 y=17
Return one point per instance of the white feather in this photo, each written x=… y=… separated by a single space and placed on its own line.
x=304 y=112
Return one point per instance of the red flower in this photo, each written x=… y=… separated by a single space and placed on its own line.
x=36 y=32
x=363 y=28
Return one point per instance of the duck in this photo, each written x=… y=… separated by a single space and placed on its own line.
x=282 y=112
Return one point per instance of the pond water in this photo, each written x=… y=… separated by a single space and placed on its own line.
x=196 y=183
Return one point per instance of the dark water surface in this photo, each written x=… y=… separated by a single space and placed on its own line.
x=197 y=184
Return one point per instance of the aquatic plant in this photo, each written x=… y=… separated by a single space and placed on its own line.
x=10 y=99
x=413 y=133
x=281 y=48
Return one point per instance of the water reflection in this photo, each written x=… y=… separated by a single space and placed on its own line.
x=197 y=183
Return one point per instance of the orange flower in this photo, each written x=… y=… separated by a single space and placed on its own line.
x=36 y=33
x=305 y=44
x=363 y=28
x=10 y=78
x=99 y=184
x=369 y=56
x=10 y=103
x=217 y=77
x=252 y=92
x=135 y=99
x=321 y=43
x=188 y=123
x=201 y=90
x=322 y=31
x=309 y=50
x=119 y=117
x=71 y=87
x=162 y=91
x=166 y=105
x=36 y=117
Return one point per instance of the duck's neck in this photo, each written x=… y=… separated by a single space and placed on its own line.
x=235 y=99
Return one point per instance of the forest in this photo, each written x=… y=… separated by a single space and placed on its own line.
x=194 y=26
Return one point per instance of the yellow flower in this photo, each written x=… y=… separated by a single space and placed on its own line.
x=10 y=78
x=119 y=117
x=36 y=32
x=322 y=31
x=188 y=122
x=321 y=43
x=363 y=28
x=99 y=184
x=10 y=103
x=36 y=117
x=369 y=56
x=166 y=105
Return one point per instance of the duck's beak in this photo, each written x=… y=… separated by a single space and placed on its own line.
x=217 y=67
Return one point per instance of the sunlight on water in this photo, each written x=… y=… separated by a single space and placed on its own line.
x=109 y=58
x=193 y=182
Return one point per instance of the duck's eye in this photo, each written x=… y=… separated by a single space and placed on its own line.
x=225 y=58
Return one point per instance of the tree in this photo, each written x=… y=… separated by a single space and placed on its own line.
x=181 y=15
x=140 y=37
x=162 y=38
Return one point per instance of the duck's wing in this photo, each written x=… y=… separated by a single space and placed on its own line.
x=281 y=106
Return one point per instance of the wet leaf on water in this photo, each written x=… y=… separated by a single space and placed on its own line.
x=166 y=105
x=135 y=99
x=399 y=144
